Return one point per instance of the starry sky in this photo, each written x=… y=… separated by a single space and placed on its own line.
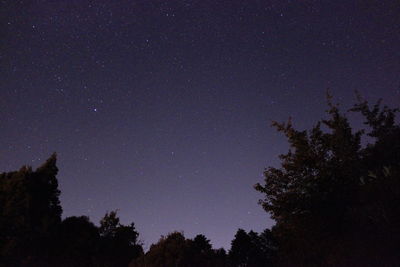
x=162 y=109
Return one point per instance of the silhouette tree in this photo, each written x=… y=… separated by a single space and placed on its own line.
x=197 y=252
x=251 y=249
x=109 y=224
x=175 y=250
x=268 y=247
x=168 y=251
x=201 y=244
x=119 y=244
x=29 y=213
x=32 y=233
x=220 y=258
x=76 y=243
x=329 y=186
x=240 y=248
x=378 y=216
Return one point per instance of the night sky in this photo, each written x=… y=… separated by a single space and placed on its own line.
x=162 y=109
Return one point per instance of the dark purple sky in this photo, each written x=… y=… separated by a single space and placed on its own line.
x=161 y=109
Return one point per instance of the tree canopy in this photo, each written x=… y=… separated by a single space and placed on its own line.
x=32 y=232
x=30 y=211
x=175 y=250
x=333 y=198
x=252 y=249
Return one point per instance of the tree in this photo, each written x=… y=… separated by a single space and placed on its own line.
x=268 y=246
x=327 y=188
x=202 y=244
x=175 y=250
x=198 y=252
x=167 y=252
x=32 y=233
x=220 y=258
x=240 y=248
x=378 y=224
x=76 y=243
x=119 y=244
x=30 y=211
x=251 y=249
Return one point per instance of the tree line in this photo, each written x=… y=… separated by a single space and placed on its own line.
x=32 y=233
x=335 y=200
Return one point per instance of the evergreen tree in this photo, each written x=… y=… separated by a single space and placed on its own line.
x=251 y=249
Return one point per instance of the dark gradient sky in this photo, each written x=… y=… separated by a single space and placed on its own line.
x=162 y=109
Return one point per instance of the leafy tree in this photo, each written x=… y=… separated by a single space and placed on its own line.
x=32 y=233
x=119 y=244
x=251 y=249
x=29 y=213
x=330 y=197
x=198 y=252
x=175 y=250
x=109 y=224
x=220 y=258
x=76 y=243
x=378 y=216
x=167 y=252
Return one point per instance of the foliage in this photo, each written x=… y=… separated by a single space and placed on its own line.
x=167 y=252
x=332 y=199
x=32 y=233
x=76 y=242
x=119 y=243
x=175 y=250
x=29 y=212
x=252 y=249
